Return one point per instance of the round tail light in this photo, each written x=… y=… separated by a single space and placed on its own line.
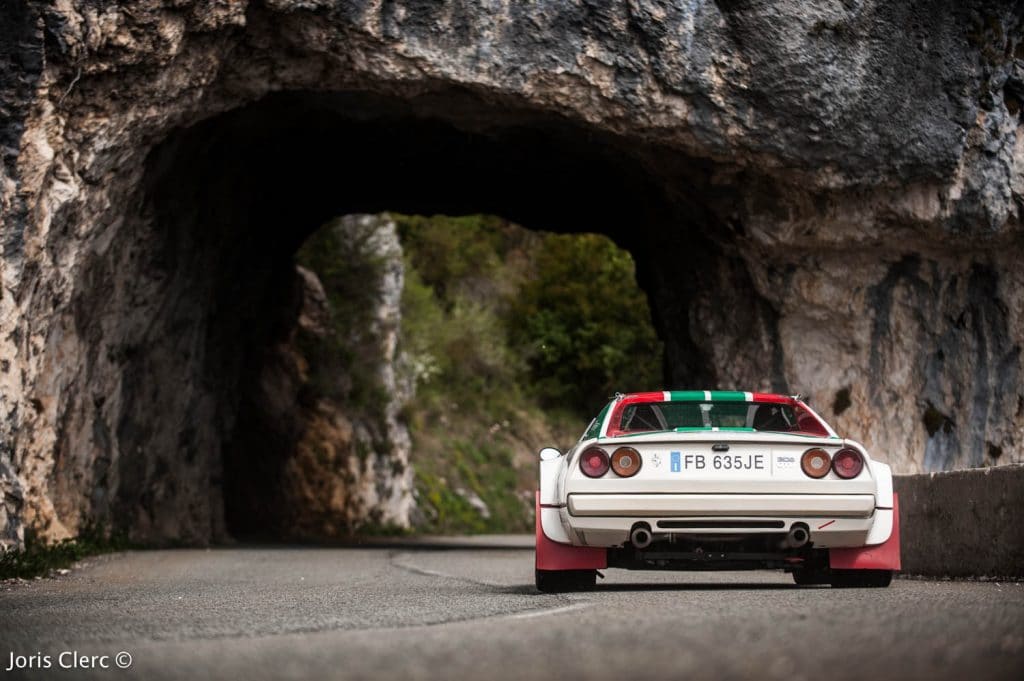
x=626 y=462
x=847 y=463
x=594 y=462
x=815 y=463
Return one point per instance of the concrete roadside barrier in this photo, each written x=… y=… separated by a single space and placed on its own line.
x=967 y=523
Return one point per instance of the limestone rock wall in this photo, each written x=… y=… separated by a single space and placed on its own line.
x=827 y=199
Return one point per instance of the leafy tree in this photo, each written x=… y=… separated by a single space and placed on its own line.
x=583 y=324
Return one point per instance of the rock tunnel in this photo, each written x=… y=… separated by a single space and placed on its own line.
x=149 y=235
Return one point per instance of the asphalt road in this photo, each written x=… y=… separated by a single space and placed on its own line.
x=436 y=611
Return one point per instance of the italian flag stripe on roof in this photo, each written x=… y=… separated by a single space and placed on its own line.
x=687 y=395
x=728 y=396
x=713 y=395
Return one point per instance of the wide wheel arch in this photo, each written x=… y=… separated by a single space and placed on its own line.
x=552 y=556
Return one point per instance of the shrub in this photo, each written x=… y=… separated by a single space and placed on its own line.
x=583 y=325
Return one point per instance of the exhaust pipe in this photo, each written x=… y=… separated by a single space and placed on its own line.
x=798 y=536
x=641 y=536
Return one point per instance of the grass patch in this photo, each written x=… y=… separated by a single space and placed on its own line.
x=39 y=558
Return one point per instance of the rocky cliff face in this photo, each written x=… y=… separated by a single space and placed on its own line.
x=317 y=449
x=823 y=199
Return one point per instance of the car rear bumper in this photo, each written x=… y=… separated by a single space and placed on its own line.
x=759 y=505
x=834 y=520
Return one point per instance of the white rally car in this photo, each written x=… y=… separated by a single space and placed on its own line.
x=715 y=480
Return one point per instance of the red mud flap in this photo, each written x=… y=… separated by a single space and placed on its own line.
x=882 y=557
x=554 y=556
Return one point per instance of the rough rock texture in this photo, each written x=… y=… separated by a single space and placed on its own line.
x=962 y=523
x=821 y=198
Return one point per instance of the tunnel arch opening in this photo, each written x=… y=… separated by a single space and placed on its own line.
x=226 y=203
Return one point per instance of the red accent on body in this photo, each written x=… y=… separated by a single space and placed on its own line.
x=620 y=406
x=822 y=527
x=552 y=555
x=807 y=423
x=772 y=398
x=882 y=557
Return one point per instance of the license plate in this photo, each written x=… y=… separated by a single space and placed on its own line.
x=683 y=462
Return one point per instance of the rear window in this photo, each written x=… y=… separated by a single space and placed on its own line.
x=753 y=416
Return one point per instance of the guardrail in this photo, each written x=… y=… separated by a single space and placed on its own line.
x=967 y=523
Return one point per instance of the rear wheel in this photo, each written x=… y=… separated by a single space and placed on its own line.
x=860 y=579
x=805 y=577
x=557 y=581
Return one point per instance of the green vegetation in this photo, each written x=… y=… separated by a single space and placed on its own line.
x=39 y=558
x=583 y=324
x=343 y=260
x=487 y=471
x=515 y=340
